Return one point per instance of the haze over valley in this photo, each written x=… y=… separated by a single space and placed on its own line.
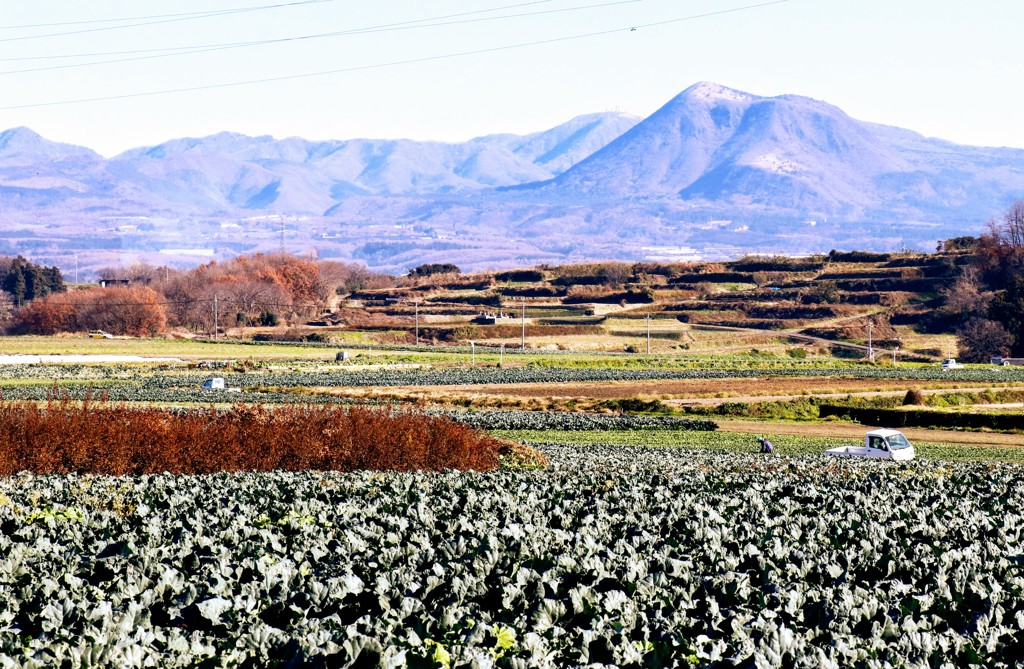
x=714 y=173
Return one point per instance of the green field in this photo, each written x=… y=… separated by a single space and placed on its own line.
x=742 y=443
x=613 y=556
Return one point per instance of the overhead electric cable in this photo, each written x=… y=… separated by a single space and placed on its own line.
x=403 y=25
x=409 y=61
x=408 y=25
x=173 y=18
x=152 y=16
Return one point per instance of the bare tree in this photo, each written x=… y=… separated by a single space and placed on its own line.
x=6 y=310
x=980 y=339
x=1010 y=230
x=615 y=274
x=966 y=297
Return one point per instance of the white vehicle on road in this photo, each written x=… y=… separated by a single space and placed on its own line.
x=888 y=444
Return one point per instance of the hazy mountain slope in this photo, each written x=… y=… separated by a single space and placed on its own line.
x=712 y=173
x=792 y=155
x=563 y=146
x=31 y=163
x=300 y=176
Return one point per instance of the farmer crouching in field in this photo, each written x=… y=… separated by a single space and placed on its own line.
x=766 y=446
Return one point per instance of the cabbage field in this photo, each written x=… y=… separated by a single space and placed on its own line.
x=613 y=556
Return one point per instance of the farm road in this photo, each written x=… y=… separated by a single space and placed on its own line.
x=855 y=432
x=716 y=401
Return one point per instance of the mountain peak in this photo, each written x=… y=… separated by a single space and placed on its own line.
x=707 y=91
x=22 y=141
x=18 y=139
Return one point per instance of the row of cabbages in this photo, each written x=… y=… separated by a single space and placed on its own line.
x=506 y=375
x=612 y=556
x=120 y=378
x=573 y=421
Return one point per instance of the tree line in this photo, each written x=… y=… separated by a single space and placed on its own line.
x=985 y=305
x=24 y=281
x=258 y=289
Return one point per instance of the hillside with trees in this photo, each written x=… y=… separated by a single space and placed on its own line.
x=966 y=299
x=143 y=300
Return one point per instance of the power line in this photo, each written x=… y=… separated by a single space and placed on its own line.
x=231 y=44
x=357 y=68
x=152 y=21
x=146 y=18
x=406 y=25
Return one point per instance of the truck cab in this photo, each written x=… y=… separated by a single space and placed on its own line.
x=883 y=444
x=215 y=383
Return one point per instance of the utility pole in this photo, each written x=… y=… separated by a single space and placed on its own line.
x=648 y=334
x=417 y=303
x=76 y=268
x=216 y=325
x=871 y=351
x=501 y=354
x=472 y=348
x=524 y=326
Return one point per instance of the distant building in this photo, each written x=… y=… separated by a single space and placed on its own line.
x=107 y=283
x=492 y=319
x=1007 y=362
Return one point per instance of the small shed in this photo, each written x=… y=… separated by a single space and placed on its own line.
x=342 y=356
x=107 y=283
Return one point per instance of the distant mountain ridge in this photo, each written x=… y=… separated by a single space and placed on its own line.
x=794 y=155
x=715 y=171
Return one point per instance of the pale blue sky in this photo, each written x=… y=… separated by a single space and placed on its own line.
x=945 y=68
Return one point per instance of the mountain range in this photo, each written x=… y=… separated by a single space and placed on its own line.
x=715 y=172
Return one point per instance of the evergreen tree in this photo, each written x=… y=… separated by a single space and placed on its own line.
x=14 y=283
x=26 y=281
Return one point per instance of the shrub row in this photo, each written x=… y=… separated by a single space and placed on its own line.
x=631 y=296
x=924 y=418
x=533 y=291
x=790 y=311
x=713 y=277
x=858 y=256
x=776 y=264
x=520 y=275
x=891 y=285
x=91 y=438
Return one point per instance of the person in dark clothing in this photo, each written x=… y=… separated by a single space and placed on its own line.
x=766 y=446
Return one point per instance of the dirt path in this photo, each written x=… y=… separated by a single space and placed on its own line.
x=855 y=432
x=715 y=401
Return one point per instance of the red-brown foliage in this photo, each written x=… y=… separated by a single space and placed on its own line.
x=98 y=438
x=138 y=311
x=44 y=316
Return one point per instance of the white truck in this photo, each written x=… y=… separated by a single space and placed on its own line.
x=215 y=383
x=888 y=444
x=951 y=363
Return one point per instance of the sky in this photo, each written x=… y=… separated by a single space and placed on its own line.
x=118 y=74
